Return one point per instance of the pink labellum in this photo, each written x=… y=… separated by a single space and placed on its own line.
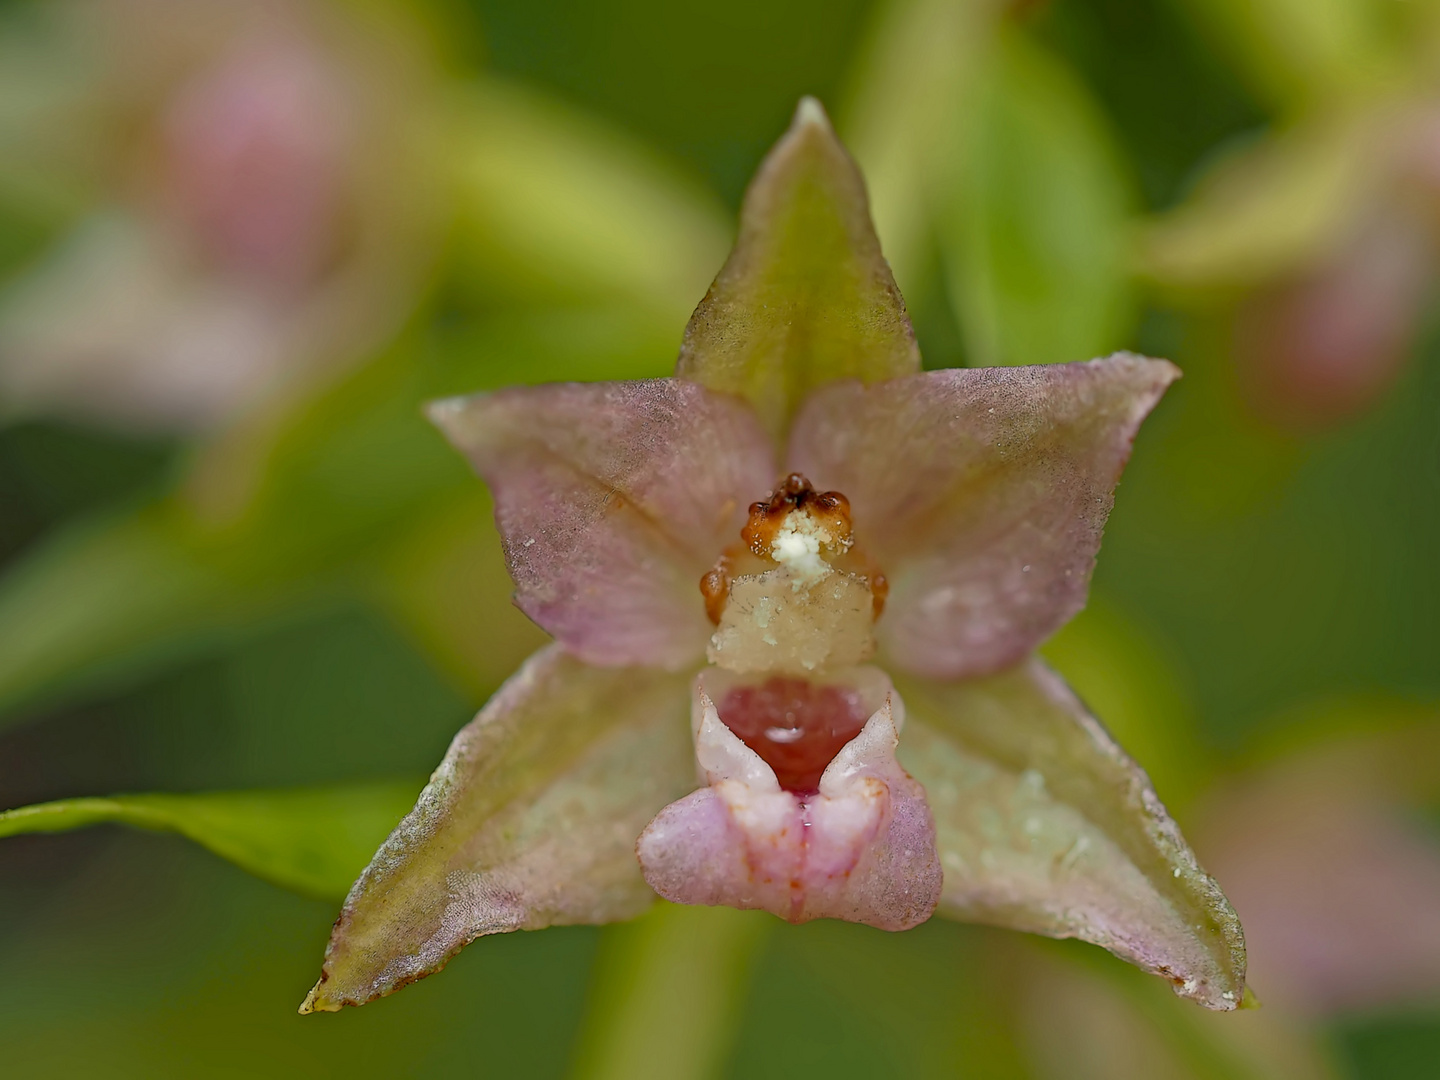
x=796 y=727
x=861 y=847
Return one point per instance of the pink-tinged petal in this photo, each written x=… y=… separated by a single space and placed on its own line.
x=862 y=848
x=612 y=500
x=982 y=493
x=530 y=821
x=805 y=297
x=1044 y=825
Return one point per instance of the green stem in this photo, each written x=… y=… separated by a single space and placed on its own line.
x=667 y=992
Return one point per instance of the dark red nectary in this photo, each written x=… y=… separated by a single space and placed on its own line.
x=795 y=726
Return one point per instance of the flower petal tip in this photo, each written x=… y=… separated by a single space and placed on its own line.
x=442 y=412
x=314 y=1002
x=809 y=113
x=806 y=296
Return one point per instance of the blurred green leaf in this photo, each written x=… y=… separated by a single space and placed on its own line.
x=805 y=296
x=1266 y=209
x=911 y=101
x=103 y=598
x=1089 y=1019
x=1291 y=50
x=312 y=840
x=556 y=204
x=1033 y=237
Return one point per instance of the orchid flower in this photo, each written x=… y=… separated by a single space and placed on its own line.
x=826 y=705
x=249 y=229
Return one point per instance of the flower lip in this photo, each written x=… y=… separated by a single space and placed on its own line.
x=796 y=726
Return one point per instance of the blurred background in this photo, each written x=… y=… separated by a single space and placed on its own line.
x=242 y=240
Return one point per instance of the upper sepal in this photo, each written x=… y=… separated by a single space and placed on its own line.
x=1044 y=824
x=806 y=296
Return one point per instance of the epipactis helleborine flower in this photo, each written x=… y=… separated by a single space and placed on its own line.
x=870 y=736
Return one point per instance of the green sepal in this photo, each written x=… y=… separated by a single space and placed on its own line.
x=806 y=296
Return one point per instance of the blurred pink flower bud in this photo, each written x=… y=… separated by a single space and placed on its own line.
x=1323 y=347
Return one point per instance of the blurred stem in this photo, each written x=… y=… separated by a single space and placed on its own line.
x=666 y=995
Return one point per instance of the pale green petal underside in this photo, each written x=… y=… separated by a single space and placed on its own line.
x=1045 y=825
x=530 y=821
x=806 y=296
x=311 y=840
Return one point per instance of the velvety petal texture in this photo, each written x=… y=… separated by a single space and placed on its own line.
x=530 y=821
x=1044 y=825
x=612 y=500
x=805 y=296
x=862 y=848
x=982 y=493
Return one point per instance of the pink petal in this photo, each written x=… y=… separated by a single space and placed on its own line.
x=982 y=493
x=861 y=849
x=613 y=499
x=530 y=821
x=1044 y=825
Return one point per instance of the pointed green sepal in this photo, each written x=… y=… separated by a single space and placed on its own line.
x=806 y=296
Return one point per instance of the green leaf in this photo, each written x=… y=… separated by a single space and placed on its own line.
x=805 y=296
x=1266 y=210
x=1294 y=50
x=555 y=203
x=1034 y=236
x=312 y=840
x=911 y=102
x=104 y=600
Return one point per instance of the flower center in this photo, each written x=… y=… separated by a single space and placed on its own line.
x=796 y=596
x=796 y=726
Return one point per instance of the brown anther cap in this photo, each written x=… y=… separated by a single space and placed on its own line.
x=796 y=493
